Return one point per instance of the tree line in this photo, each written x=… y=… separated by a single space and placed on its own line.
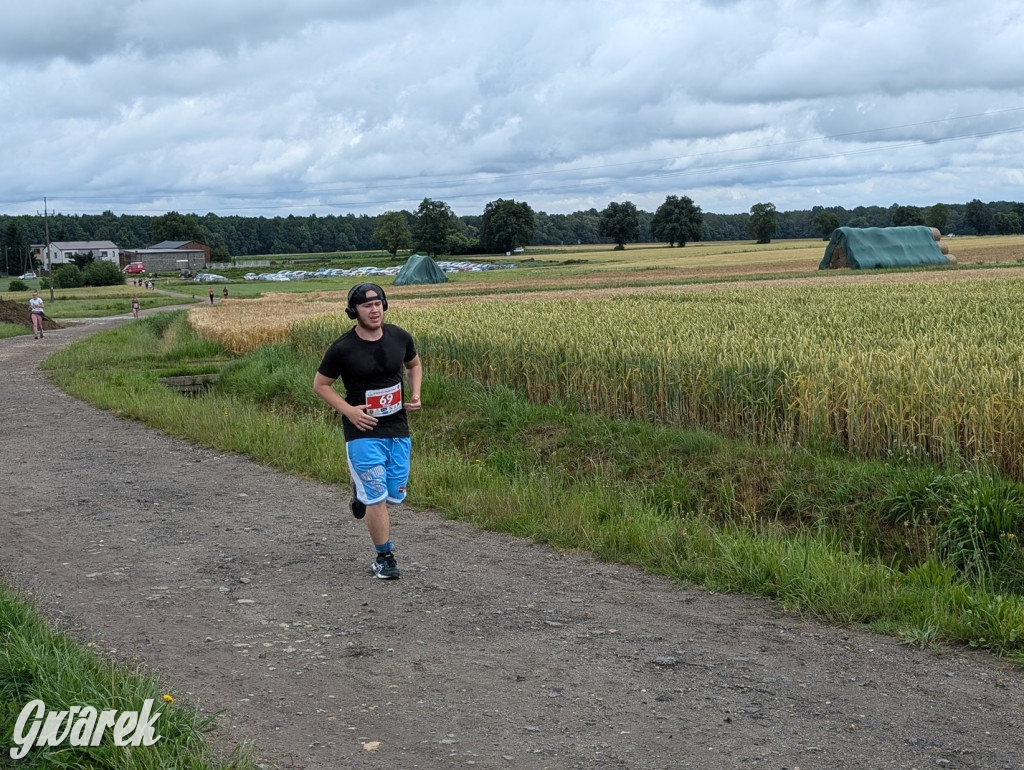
x=503 y=226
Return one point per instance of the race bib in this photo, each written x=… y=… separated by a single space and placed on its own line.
x=384 y=401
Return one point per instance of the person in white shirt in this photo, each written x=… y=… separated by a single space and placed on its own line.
x=36 y=306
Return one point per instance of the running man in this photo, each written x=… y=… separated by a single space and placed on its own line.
x=370 y=359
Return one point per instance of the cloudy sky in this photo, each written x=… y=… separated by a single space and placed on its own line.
x=277 y=107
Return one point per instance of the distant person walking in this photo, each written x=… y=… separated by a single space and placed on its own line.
x=36 y=306
x=370 y=359
x=225 y=292
x=211 y=295
x=135 y=307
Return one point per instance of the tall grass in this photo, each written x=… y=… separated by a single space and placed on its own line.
x=930 y=371
x=848 y=540
x=97 y=301
x=13 y=330
x=921 y=370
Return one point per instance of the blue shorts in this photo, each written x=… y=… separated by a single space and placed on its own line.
x=379 y=468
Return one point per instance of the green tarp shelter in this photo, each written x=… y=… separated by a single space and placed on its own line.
x=867 y=247
x=420 y=269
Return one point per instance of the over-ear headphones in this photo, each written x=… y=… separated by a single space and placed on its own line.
x=357 y=296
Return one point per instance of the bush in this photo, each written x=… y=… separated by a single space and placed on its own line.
x=67 y=277
x=103 y=273
x=17 y=285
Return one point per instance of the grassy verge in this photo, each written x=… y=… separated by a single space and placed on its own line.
x=38 y=663
x=917 y=551
x=13 y=330
x=103 y=307
x=99 y=302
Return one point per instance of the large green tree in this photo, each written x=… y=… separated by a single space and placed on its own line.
x=1006 y=223
x=67 y=276
x=824 y=223
x=937 y=217
x=763 y=222
x=903 y=216
x=16 y=249
x=677 y=220
x=506 y=225
x=392 y=232
x=620 y=222
x=101 y=272
x=433 y=227
x=83 y=259
x=979 y=216
x=173 y=226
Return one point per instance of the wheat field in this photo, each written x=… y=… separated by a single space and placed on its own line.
x=928 y=369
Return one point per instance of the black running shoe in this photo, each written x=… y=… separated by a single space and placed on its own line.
x=385 y=568
x=357 y=506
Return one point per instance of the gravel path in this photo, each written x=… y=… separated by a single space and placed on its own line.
x=246 y=589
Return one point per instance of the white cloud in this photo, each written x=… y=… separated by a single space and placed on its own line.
x=328 y=107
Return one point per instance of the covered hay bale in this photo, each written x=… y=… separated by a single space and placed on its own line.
x=871 y=247
x=838 y=258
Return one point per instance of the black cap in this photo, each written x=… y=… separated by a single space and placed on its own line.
x=358 y=294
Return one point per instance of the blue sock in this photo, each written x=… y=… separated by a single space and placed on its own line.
x=384 y=549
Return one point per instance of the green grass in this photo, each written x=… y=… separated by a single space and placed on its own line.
x=101 y=308
x=98 y=302
x=849 y=541
x=39 y=663
x=242 y=289
x=13 y=330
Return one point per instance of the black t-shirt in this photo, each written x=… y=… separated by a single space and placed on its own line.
x=374 y=368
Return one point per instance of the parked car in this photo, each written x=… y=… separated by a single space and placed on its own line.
x=27 y=276
x=134 y=268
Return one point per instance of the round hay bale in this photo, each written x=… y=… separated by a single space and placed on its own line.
x=951 y=259
x=935 y=233
x=943 y=247
x=838 y=259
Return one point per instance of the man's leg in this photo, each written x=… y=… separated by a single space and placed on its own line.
x=366 y=459
x=378 y=522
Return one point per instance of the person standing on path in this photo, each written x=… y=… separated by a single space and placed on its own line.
x=370 y=358
x=211 y=295
x=36 y=306
x=135 y=307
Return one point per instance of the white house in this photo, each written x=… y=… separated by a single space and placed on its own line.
x=61 y=252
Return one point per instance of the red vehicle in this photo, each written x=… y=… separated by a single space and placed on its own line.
x=133 y=268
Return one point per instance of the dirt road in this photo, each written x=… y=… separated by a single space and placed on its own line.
x=246 y=589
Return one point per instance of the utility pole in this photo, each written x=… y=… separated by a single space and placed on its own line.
x=49 y=265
